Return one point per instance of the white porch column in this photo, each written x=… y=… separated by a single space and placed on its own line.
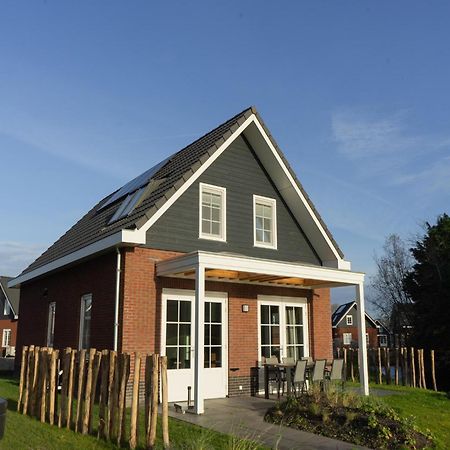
x=199 y=338
x=361 y=314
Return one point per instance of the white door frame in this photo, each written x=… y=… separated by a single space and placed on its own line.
x=185 y=294
x=282 y=302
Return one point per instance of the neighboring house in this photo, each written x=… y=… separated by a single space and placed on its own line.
x=385 y=338
x=9 y=314
x=215 y=257
x=400 y=323
x=344 y=323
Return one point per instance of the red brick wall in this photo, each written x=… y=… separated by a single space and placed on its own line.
x=96 y=276
x=338 y=335
x=9 y=324
x=142 y=310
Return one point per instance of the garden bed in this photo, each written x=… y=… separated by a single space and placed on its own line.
x=362 y=421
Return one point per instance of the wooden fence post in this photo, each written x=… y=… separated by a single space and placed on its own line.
x=88 y=392
x=396 y=365
x=379 y=378
x=34 y=392
x=103 y=394
x=29 y=379
x=43 y=383
x=165 y=402
x=53 y=384
x=135 y=401
x=344 y=350
x=81 y=384
x=413 y=368
x=111 y=395
x=433 y=372
x=96 y=368
x=151 y=436
x=352 y=362
x=23 y=368
x=147 y=391
x=422 y=357
x=387 y=365
x=70 y=388
x=124 y=375
x=65 y=380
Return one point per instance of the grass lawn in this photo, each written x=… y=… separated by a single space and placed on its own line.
x=23 y=432
x=430 y=409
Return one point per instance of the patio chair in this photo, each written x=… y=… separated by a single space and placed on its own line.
x=337 y=373
x=283 y=373
x=274 y=373
x=318 y=372
x=300 y=376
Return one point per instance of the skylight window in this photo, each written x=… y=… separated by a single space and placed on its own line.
x=127 y=205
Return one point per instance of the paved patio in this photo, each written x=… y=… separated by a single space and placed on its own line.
x=244 y=417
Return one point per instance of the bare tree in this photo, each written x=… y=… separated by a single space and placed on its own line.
x=387 y=292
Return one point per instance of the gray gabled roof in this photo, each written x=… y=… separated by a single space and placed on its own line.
x=165 y=182
x=343 y=310
x=12 y=294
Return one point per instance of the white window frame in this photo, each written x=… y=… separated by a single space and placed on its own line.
x=82 y=319
x=382 y=340
x=51 y=323
x=266 y=201
x=6 y=337
x=344 y=336
x=217 y=190
x=282 y=302
x=347 y=321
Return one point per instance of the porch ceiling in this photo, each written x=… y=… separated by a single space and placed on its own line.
x=240 y=269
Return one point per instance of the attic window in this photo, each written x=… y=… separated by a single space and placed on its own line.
x=349 y=320
x=127 y=205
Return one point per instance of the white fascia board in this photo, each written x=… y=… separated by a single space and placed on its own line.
x=254 y=265
x=287 y=185
x=7 y=299
x=118 y=238
x=196 y=175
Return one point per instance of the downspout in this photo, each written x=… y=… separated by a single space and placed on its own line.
x=117 y=300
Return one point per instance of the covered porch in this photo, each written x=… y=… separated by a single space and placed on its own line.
x=230 y=268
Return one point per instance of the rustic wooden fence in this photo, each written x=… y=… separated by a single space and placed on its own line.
x=74 y=389
x=400 y=366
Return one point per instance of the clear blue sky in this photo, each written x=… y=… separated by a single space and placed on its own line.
x=355 y=92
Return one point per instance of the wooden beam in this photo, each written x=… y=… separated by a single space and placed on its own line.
x=218 y=273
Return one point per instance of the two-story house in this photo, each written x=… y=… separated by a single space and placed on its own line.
x=9 y=314
x=215 y=257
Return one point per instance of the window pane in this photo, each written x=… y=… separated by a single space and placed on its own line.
x=216 y=357
x=206 y=212
x=171 y=353
x=259 y=209
x=267 y=211
x=207 y=309
x=171 y=334
x=216 y=200
x=207 y=335
x=299 y=333
x=267 y=224
x=185 y=334
x=298 y=315
x=206 y=226
x=215 y=228
x=185 y=357
x=216 y=334
x=206 y=198
x=290 y=315
x=275 y=314
x=216 y=312
x=265 y=351
x=291 y=352
x=300 y=352
x=172 y=311
x=259 y=223
x=275 y=335
x=185 y=311
x=259 y=236
x=267 y=236
x=265 y=314
x=215 y=214
x=290 y=335
x=206 y=356
x=275 y=351
x=265 y=335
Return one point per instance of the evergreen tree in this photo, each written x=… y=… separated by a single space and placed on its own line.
x=428 y=285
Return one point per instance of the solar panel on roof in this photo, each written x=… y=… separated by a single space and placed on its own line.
x=135 y=184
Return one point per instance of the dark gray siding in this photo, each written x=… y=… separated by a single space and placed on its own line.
x=240 y=172
x=354 y=313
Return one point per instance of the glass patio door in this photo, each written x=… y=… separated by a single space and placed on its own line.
x=283 y=327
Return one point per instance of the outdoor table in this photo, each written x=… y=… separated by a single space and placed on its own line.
x=280 y=366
